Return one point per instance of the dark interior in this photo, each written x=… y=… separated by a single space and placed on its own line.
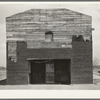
x=50 y=71
x=62 y=71
x=37 y=75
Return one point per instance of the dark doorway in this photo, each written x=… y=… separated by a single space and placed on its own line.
x=62 y=71
x=37 y=75
x=50 y=71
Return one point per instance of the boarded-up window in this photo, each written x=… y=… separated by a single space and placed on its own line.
x=49 y=36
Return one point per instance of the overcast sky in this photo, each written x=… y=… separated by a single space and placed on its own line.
x=89 y=8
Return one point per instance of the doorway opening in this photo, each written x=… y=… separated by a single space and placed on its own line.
x=56 y=71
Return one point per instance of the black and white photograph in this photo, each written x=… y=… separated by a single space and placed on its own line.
x=50 y=45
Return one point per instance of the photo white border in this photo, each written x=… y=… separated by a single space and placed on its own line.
x=6 y=94
x=30 y=94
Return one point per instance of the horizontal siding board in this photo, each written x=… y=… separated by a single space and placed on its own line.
x=36 y=22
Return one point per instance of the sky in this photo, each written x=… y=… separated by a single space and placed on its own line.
x=89 y=8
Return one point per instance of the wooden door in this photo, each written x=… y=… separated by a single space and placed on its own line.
x=49 y=78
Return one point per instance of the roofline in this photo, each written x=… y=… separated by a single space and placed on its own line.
x=49 y=9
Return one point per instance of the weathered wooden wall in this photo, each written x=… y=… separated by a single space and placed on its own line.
x=34 y=23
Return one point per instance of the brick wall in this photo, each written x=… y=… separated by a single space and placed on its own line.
x=17 y=72
x=81 y=69
x=80 y=55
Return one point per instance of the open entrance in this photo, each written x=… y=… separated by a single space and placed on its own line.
x=62 y=71
x=50 y=71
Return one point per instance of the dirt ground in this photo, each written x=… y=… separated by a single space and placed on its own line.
x=52 y=87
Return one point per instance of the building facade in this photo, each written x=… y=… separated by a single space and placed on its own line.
x=49 y=46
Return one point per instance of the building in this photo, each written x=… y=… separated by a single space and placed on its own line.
x=49 y=46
